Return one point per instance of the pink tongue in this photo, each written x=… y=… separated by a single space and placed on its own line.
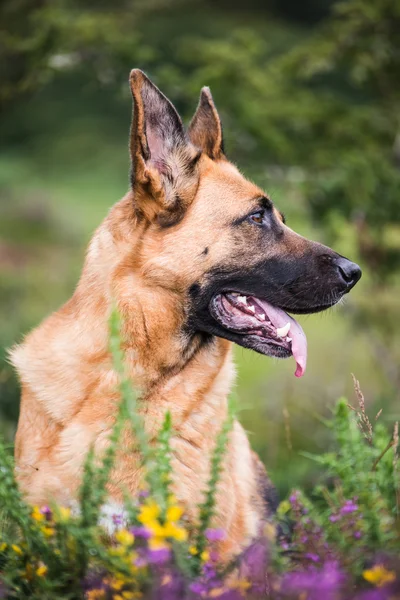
x=278 y=319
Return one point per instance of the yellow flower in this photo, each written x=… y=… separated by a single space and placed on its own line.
x=125 y=537
x=175 y=532
x=95 y=594
x=3 y=547
x=117 y=583
x=48 y=531
x=283 y=507
x=379 y=576
x=41 y=570
x=240 y=584
x=129 y=595
x=205 y=556
x=16 y=549
x=63 y=514
x=216 y=592
x=193 y=550
x=270 y=531
x=36 y=514
x=157 y=543
x=156 y=529
x=149 y=512
x=174 y=513
x=118 y=551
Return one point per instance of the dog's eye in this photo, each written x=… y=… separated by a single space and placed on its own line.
x=258 y=217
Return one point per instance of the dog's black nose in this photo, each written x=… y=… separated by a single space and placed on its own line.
x=349 y=272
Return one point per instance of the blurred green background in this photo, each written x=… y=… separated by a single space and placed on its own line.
x=309 y=94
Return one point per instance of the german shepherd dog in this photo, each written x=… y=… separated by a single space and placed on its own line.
x=195 y=257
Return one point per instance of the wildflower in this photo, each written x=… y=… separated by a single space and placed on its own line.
x=149 y=513
x=193 y=550
x=46 y=512
x=215 y=592
x=17 y=549
x=270 y=531
x=3 y=547
x=141 y=532
x=348 y=507
x=159 y=556
x=379 y=575
x=311 y=556
x=334 y=518
x=205 y=556
x=174 y=513
x=96 y=594
x=117 y=519
x=253 y=563
x=41 y=570
x=37 y=514
x=314 y=583
x=125 y=537
x=173 y=531
x=241 y=584
x=127 y=595
x=283 y=507
x=214 y=535
x=63 y=514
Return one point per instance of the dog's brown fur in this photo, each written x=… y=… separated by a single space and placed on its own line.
x=162 y=238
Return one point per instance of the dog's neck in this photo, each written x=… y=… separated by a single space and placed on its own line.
x=185 y=374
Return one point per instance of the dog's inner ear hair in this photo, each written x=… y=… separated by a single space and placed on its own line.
x=162 y=157
x=205 y=129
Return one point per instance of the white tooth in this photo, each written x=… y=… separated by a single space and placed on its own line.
x=235 y=294
x=283 y=331
x=251 y=308
x=261 y=316
x=242 y=299
x=288 y=339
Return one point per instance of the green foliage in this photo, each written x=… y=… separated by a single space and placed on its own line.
x=353 y=513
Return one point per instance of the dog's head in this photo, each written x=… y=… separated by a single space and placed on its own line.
x=215 y=241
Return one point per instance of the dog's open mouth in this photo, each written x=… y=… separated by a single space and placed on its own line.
x=261 y=325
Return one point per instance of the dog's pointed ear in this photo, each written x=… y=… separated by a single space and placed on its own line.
x=163 y=161
x=205 y=129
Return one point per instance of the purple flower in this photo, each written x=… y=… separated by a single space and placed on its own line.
x=215 y=535
x=377 y=594
x=159 y=556
x=170 y=586
x=312 y=557
x=141 y=532
x=253 y=563
x=46 y=511
x=117 y=519
x=316 y=583
x=334 y=518
x=348 y=507
x=198 y=587
x=304 y=539
x=94 y=580
x=357 y=535
x=141 y=561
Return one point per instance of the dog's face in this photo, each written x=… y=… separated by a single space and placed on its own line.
x=215 y=240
